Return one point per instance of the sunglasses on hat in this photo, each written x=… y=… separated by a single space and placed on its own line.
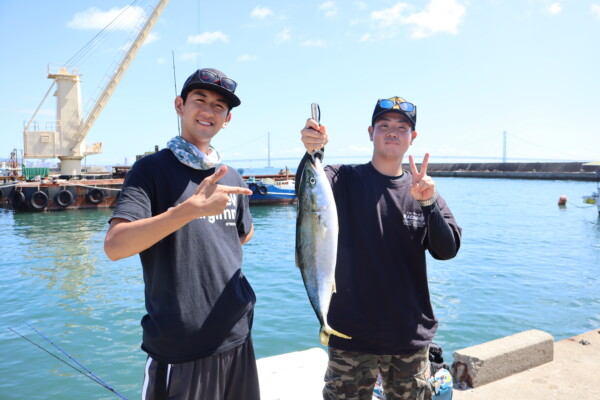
x=207 y=76
x=396 y=103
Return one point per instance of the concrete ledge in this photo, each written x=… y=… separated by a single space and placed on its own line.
x=293 y=376
x=497 y=359
x=567 y=176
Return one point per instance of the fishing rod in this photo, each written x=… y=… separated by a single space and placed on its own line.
x=89 y=374
x=176 y=94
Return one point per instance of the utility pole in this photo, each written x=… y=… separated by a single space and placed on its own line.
x=504 y=146
x=269 y=149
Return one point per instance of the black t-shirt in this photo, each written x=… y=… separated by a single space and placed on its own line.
x=198 y=301
x=382 y=299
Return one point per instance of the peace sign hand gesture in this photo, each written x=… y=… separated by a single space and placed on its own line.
x=422 y=186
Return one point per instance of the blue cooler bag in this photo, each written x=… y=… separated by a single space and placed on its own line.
x=442 y=385
x=441 y=379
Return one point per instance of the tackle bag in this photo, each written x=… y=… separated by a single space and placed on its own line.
x=441 y=379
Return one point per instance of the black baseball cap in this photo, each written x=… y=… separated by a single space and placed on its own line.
x=398 y=105
x=215 y=80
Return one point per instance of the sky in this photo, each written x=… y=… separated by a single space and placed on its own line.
x=486 y=75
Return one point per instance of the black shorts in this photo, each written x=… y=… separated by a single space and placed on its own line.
x=226 y=376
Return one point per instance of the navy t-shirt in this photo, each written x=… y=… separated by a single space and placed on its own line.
x=197 y=299
x=382 y=299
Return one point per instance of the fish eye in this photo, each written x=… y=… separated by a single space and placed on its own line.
x=312 y=181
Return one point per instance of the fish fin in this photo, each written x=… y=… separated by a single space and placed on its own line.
x=339 y=334
x=324 y=337
x=326 y=332
x=333 y=287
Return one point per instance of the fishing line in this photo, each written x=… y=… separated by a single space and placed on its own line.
x=53 y=355
x=198 y=33
x=176 y=94
x=90 y=375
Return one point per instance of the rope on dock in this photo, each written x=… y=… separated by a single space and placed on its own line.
x=8 y=186
x=69 y=184
x=94 y=187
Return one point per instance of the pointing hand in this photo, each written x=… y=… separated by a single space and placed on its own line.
x=210 y=198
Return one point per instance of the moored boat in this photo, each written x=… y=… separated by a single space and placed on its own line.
x=60 y=194
x=35 y=189
x=268 y=190
x=594 y=198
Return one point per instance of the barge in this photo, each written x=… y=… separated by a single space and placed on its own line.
x=59 y=194
x=102 y=191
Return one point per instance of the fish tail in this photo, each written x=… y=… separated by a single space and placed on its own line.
x=327 y=331
x=324 y=337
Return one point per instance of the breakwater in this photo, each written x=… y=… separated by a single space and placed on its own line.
x=577 y=171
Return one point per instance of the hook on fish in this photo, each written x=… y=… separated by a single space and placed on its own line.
x=89 y=374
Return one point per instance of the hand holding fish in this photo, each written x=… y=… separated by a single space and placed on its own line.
x=211 y=198
x=422 y=187
x=314 y=136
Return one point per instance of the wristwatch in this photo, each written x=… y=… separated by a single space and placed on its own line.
x=426 y=203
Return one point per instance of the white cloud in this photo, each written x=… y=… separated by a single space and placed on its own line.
x=438 y=16
x=313 y=43
x=208 y=37
x=284 y=36
x=329 y=8
x=94 y=18
x=596 y=10
x=365 y=37
x=152 y=37
x=246 y=57
x=161 y=60
x=390 y=16
x=555 y=8
x=261 y=12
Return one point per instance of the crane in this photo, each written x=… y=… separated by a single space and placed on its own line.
x=65 y=139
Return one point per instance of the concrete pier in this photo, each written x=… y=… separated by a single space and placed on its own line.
x=488 y=362
x=576 y=171
x=524 y=366
x=572 y=374
x=293 y=376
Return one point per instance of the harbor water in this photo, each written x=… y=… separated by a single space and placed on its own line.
x=525 y=263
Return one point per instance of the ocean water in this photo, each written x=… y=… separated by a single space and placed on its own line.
x=524 y=264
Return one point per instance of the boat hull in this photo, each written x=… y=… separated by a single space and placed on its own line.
x=60 y=195
x=268 y=194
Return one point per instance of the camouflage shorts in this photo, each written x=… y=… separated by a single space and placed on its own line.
x=351 y=375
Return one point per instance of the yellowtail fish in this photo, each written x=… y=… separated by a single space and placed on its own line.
x=316 y=241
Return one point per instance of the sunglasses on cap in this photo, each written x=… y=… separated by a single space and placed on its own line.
x=396 y=103
x=207 y=76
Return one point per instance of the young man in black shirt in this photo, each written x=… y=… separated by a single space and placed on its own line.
x=187 y=217
x=388 y=218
